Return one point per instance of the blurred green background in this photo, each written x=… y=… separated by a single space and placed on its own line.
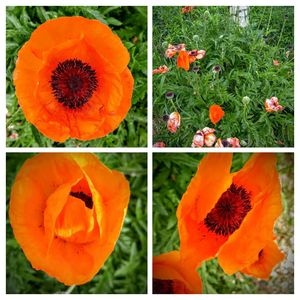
x=129 y=23
x=125 y=271
x=245 y=56
x=172 y=173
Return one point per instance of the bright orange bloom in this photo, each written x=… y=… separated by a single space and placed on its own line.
x=229 y=215
x=173 y=122
x=170 y=276
x=72 y=80
x=272 y=105
x=161 y=70
x=267 y=259
x=183 y=60
x=216 y=113
x=67 y=211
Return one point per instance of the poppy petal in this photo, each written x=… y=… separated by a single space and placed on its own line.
x=268 y=258
x=179 y=278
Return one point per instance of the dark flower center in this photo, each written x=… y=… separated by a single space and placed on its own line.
x=73 y=83
x=165 y=286
x=88 y=201
x=261 y=254
x=229 y=212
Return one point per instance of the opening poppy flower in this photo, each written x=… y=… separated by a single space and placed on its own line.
x=174 y=49
x=268 y=258
x=203 y=137
x=196 y=54
x=72 y=80
x=216 y=113
x=66 y=212
x=183 y=60
x=161 y=70
x=173 y=122
x=230 y=142
x=272 y=105
x=229 y=215
x=170 y=276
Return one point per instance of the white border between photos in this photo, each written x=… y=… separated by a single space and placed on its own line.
x=150 y=150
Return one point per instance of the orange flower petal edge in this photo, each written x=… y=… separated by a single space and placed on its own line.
x=268 y=257
x=183 y=60
x=229 y=215
x=216 y=113
x=171 y=276
x=66 y=212
x=71 y=79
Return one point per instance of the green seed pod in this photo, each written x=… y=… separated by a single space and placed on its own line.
x=165 y=44
x=206 y=14
x=246 y=100
x=196 y=38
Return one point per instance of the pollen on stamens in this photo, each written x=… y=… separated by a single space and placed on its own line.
x=229 y=212
x=73 y=83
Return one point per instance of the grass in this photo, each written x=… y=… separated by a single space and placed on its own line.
x=245 y=56
x=172 y=174
x=129 y=23
x=125 y=271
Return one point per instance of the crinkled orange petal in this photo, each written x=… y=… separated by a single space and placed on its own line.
x=183 y=60
x=259 y=177
x=55 y=229
x=172 y=276
x=267 y=259
x=216 y=113
x=211 y=180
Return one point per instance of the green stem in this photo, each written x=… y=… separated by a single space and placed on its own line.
x=281 y=32
x=269 y=21
x=70 y=289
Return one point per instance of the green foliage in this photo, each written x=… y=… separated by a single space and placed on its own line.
x=245 y=56
x=129 y=23
x=125 y=271
x=171 y=175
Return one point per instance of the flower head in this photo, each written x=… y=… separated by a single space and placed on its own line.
x=217 y=69
x=229 y=142
x=272 y=105
x=196 y=54
x=183 y=60
x=72 y=80
x=169 y=95
x=203 y=137
x=216 y=113
x=173 y=122
x=161 y=70
x=187 y=9
x=229 y=215
x=159 y=144
x=67 y=211
x=171 y=276
x=276 y=62
x=174 y=49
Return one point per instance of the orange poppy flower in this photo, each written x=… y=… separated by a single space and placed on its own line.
x=161 y=70
x=229 y=215
x=216 y=113
x=67 y=211
x=183 y=60
x=173 y=122
x=268 y=257
x=272 y=105
x=72 y=80
x=170 y=276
